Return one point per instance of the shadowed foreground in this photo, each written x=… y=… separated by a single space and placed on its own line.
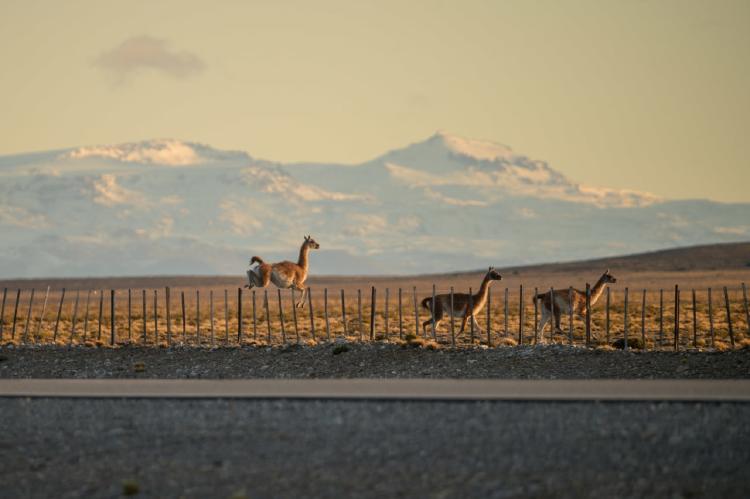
x=252 y=448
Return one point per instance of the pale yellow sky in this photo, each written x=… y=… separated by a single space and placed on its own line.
x=647 y=95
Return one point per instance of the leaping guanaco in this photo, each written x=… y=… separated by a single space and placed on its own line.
x=460 y=303
x=563 y=303
x=284 y=274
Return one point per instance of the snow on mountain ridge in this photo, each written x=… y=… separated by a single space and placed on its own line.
x=168 y=152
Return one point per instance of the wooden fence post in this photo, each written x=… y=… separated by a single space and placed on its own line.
x=433 y=308
x=211 y=314
x=372 y=314
x=75 y=316
x=294 y=318
x=28 y=316
x=643 y=318
x=552 y=312
x=130 y=315
x=168 y=303
x=520 y=315
x=625 y=320
x=588 y=314
x=239 y=315
x=747 y=309
x=360 y=326
x=85 y=316
x=661 y=317
x=2 y=313
x=489 y=317
x=676 y=317
x=536 y=317
x=145 y=318
x=15 y=315
x=281 y=318
x=695 y=323
x=453 y=324
x=112 y=331
x=570 y=315
x=198 y=316
x=59 y=312
x=268 y=315
x=156 y=317
x=505 y=310
x=226 y=317
x=400 y=316
x=416 y=312
x=312 y=314
x=41 y=318
x=255 y=319
x=343 y=311
x=470 y=311
x=710 y=317
x=387 y=299
x=729 y=317
x=325 y=313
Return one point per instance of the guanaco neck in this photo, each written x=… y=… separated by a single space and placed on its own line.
x=484 y=288
x=598 y=289
x=302 y=260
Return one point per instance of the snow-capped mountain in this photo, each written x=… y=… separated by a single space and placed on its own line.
x=174 y=207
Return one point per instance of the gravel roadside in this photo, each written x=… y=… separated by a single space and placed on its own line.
x=369 y=360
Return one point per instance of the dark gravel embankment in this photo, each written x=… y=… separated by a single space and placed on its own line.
x=368 y=361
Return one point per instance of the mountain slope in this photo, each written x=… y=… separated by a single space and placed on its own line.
x=173 y=207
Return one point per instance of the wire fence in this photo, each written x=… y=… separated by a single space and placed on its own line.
x=621 y=318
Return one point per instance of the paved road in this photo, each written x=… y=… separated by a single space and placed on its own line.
x=408 y=389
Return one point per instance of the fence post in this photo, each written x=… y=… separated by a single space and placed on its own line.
x=198 y=316
x=343 y=311
x=695 y=323
x=255 y=319
x=387 y=299
x=41 y=318
x=553 y=323
x=433 y=308
x=239 y=315
x=101 y=315
x=661 y=317
x=372 y=314
x=505 y=318
x=676 y=317
x=710 y=317
x=144 y=318
x=281 y=318
x=400 y=316
x=588 y=314
x=211 y=314
x=268 y=315
x=453 y=324
x=59 y=311
x=226 y=317
x=112 y=332
x=643 y=317
x=168 y=302
x=75 y=316
x=536 y=317
x=15 y=315
x=729 y=317
x=625 y=320
x=489 y=317
x=416 y=312
x=2 y=312
x=85 y=316
x=520 y=315
x=359 y=315
x=747 y=310
x=294 y=318
x=156 y=317
x=470 y=311
x=570 y=315
x=130 y=315
x=28 y=316
x=312 y=315
x=184 y=326
x=325 y=313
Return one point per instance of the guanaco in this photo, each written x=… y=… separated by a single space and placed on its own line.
x=284 y=274
x=460 y=303
x=563 y=303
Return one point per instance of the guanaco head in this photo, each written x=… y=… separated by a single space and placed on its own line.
x=493 y=274
x=311 y=243
x=607 y=277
